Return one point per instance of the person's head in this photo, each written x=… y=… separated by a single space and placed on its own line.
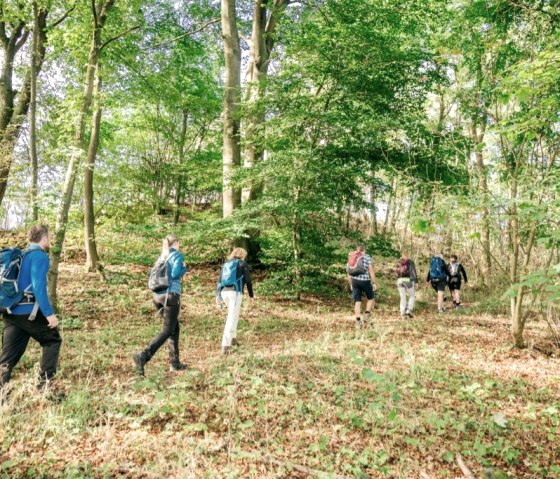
x=361 y=247
x=39 y=234
x=170 y=241
x=405 y=254
x=238 y=253
x=453 y=258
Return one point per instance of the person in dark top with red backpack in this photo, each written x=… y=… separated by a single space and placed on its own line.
x=437 y=277
x=234 y=276
x=407 y=282
x=456 y=271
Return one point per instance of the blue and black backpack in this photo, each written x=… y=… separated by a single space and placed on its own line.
x=228 y=277
x=437 y=272
x=10 y=266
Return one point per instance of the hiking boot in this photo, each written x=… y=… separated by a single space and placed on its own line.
x=441 y=310
x=403 y=316
x=139 y=363
x=234 y=342
x=458 y=306
x=226 y=350
x=177 y=367
x=367 y=317
x=358 y=323
x=409 y=314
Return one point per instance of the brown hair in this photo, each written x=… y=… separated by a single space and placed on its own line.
x=361 y=247
x=36 y=233
x=238 y=253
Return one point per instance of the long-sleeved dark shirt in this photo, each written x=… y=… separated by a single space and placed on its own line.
x=243 y=272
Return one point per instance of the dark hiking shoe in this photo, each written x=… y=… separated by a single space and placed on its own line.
x=409 y=314
x=226 y=350
x=139 y=363
x=177 y=367
x=234 y=342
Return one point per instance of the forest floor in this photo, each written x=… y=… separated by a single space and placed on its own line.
x=306 y=394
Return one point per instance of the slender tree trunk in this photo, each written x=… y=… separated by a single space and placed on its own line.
x=477 y=139
x=37 y=53
x=100 y=17
x=262 y=44
x=389 y=205
x=92 y=255
x=180 y=177
x=232 y=98
x=516 y=303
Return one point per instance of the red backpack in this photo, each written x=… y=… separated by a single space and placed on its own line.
x=355 y=265
x=403 y=268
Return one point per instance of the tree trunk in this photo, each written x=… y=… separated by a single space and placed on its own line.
x=389 y=206
x=477 y=139
x=92 y=255
x=180 y=177
x=37 y=53
x=516 y=303
x=100 y=16
x=12 y=114
x=232 y=97
x=262 y=44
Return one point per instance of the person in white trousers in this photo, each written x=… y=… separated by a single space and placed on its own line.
x=234 y=277
x=407 y=283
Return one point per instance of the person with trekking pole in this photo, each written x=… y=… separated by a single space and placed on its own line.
x=361 y=277
x=166 y=283
x=456 y=272
x=407 y=283
x=234 y=277
x=26 y=307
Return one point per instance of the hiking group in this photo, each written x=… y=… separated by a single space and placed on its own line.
x=361 y=276
x=28 y=313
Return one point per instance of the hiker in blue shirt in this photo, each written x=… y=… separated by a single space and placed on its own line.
x=168 y=304
x=230 y=290
x=34 y=316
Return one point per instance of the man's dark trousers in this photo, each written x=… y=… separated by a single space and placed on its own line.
x=17 y=331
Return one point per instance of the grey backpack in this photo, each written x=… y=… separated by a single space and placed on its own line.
x=159 y=275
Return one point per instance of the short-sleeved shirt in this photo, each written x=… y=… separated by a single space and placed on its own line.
x=367 y=263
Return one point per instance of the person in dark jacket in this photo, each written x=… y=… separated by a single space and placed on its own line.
x=168 y=304
x=19 y=326
x=456 y=273
x=233 y=298
x=407 y=282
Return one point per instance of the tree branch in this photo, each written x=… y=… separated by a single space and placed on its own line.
x=205 y=25
x=94 y=11
x=64 y=17
x=120 y=35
